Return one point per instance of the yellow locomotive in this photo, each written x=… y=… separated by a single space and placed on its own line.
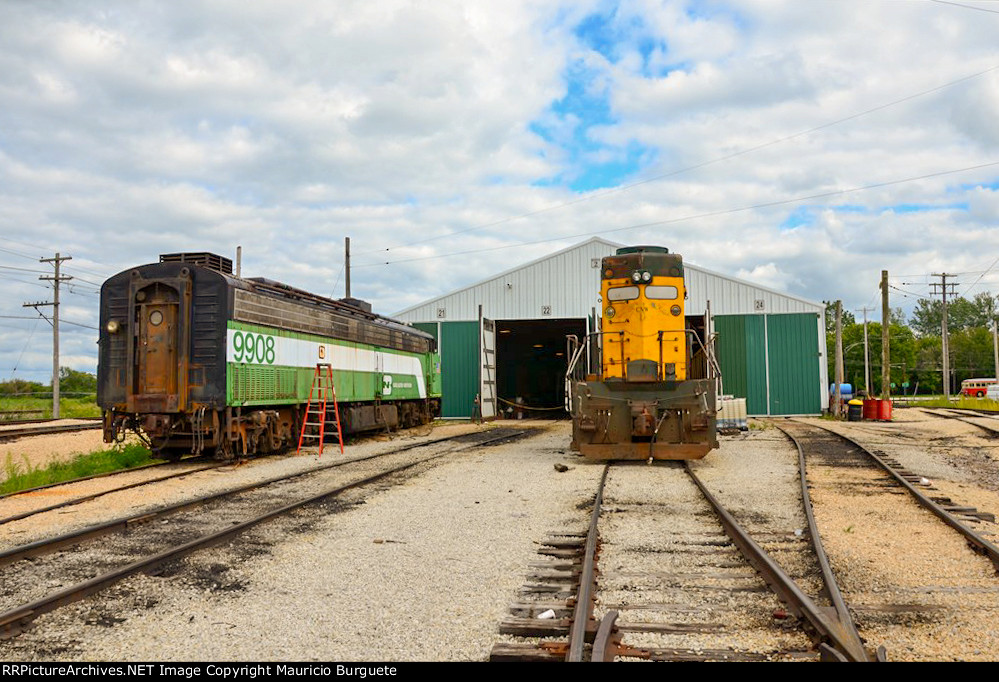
x=644 y=385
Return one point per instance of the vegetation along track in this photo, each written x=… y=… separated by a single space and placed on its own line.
x=912 y=582
x=32 y=501
x=679 y=580
x=984 y=421
x=34 y=570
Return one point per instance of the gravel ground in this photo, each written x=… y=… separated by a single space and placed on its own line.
x=420 y=571
x=755 y=476
x=653 y=552
x=39 y=451
x=424 y=567
x=916 y=586
x=144 y=498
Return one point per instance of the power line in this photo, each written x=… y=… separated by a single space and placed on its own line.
x=17 y=253
x=975 y=283
x=958 y=4
x=749 y=150
x=908 y=293
x=11 y=267
x=711 y=214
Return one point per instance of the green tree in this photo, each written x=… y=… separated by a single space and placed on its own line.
x=72 y=382
x=902 y=348
x=928 y=370
x=980 y=311
x=846 y=315
x=21 y=387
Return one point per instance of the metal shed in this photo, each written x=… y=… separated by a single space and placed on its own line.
x=503 y=338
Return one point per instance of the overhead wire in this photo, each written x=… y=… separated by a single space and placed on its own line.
x=726 y=157
x=975 y=283
x=21 y=355
x=958 y=4
x=710 y=214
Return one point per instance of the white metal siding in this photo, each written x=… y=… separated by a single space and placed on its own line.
x=565 y=285
x=568 y=283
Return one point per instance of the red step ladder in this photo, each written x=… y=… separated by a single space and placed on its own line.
x=317 y=424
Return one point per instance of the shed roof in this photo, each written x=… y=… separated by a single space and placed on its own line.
x=566 y=284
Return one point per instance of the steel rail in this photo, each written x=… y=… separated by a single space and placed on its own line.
x=105 y=474
x=839 y=644
x=829 y=583
x=151 y=466
x=979 y=544
x=10 y=434
x=843 y=646
x=93 y=496
x=13 y=621
x=48 y=545
x=584 y=598
x=944 y=415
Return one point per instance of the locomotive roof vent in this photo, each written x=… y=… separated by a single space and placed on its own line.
x=357 y=303
x=204 y=259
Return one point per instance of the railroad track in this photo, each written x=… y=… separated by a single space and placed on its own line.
x=679 y=580
x=30 y=493
x=45 y=428
x=984 y=421
x=133 y=544
x=913 y=582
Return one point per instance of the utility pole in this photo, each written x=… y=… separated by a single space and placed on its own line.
x=885 y=350
x=837 y=390
x=995 y=346
x=867 y=357
x=346 y=265
x=55 y=279
x=944 y=336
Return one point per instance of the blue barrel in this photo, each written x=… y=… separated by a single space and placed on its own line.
x=845 y=390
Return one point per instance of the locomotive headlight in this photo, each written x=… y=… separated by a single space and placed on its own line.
x=113 y=326
x=636 y=277
x=609 y=311
x=646 y=276
x=675 y=310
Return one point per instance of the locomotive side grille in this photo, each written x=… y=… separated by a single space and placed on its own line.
x=263 y=383
x=204 y=347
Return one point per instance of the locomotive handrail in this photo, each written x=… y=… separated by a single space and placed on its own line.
x=573 y=342
x=572 y=339
x=581 y=346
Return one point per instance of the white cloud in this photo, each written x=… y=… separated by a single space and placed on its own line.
x=132 y=129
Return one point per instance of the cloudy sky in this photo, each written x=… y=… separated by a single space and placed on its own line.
x=803 y=144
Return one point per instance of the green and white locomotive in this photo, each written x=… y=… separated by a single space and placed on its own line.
x=196 y=359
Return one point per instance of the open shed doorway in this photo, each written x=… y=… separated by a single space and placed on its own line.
x=530 y=366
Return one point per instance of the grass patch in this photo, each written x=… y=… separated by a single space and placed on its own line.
x=963 y=402
x=24 y=476
x=69 y=408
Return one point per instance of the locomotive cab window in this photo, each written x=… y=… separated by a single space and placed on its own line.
x=660 y=292
x=622 y=293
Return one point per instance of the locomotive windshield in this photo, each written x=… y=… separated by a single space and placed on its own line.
x=622 y=293
x=660 y=292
